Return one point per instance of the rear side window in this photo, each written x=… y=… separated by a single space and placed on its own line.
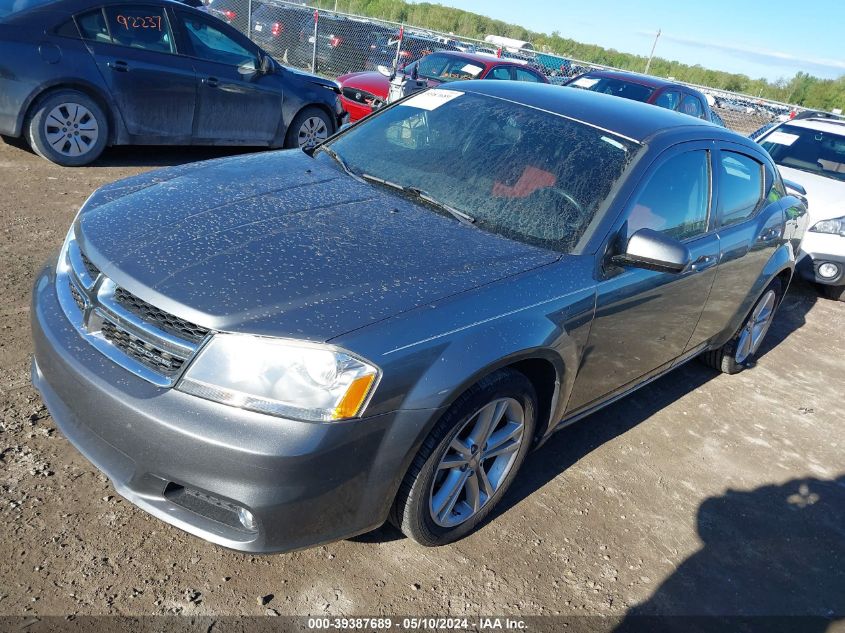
x=139 y=26
x=676 y=199
x=92 y=26
x=740 y=187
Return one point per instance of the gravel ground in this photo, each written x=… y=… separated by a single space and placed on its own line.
x=701 y=493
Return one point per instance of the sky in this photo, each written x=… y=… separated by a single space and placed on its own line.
x=770 y=39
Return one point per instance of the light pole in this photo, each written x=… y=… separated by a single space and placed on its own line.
x=653 y=46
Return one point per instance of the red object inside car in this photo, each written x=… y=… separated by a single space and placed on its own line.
x=276 y=29
x=530 y=181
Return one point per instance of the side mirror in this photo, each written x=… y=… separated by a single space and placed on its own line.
x=796 y=190
x=384 y=70
x=652 y=250
x=247 y=68
x=266 y=65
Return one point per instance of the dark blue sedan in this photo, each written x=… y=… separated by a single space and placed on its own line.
x=78 y=75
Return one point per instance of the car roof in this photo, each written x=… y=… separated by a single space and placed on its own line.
x=624 y=117
x=645 y=80
x=831 y=126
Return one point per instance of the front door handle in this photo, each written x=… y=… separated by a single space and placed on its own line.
x=703 y=263
x=118 y=65
x=769 y=235
x=211 y=82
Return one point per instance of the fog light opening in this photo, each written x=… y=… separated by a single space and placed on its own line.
x=828 y=270
x=247 y=519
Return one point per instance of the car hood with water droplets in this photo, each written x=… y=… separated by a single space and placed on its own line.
x=282 y=244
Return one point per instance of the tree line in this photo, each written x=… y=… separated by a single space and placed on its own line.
x=803 y=89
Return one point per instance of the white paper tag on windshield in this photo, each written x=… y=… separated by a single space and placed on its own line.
x=432 y=99
x=472 y=69
x=585 y=82
x=781 y=138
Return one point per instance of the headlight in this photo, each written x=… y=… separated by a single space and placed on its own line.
x=281 y=377
x=834 y=225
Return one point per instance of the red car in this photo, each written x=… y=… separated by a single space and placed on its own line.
x=364 y=92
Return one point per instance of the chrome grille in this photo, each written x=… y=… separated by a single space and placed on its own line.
x=90 y=267
x=141 y=338
x=159 y=318
x=145 y=353
x=77 y=296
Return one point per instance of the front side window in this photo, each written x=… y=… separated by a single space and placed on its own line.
x=526 y=75
x=615 y=87
x=212 y=44
x=518 y=171
x=740 y=187
x=692 y=106
x=139 y=26
x=814 y=151
x=676 y=198
x=500 y=72
x=446 y=68
x=670 y=100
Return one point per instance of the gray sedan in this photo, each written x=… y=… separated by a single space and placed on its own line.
x=382 y=328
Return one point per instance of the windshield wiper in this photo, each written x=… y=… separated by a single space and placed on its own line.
x=423 y=195
x=339 y=160
x=458 y=215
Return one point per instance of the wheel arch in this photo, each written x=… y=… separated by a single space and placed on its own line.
x=88 y=89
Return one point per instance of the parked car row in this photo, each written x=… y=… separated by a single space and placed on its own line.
x=84 y=74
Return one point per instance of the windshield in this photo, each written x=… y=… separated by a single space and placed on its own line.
x=8 y=7
x=615 y=87
x=813 y=151
x=521 y=172
x=445 y=68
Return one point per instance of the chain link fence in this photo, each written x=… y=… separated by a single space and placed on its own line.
x=332 y=44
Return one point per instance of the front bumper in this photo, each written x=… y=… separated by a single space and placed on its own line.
x=817 y=249
x=193 y=462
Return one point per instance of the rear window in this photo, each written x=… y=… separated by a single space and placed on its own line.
x=615 y=87
x=813 y=151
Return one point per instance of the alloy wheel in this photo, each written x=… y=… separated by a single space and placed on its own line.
x=71 y=129
x=477 y=462
x=312 y=131
x=755 y=329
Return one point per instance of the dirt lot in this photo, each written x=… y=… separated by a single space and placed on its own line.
x=702 y=493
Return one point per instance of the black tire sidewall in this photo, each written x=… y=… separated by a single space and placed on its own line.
x=414 y=517
x=292 y=134
x=35 y=127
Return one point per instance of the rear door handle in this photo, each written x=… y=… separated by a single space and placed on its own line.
x=118 y=65
x=211 y=82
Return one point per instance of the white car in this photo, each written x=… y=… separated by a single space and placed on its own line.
x=811 y=152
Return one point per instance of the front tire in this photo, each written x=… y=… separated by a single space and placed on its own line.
x=309 y=127
x=67 y=128
x=736 y=354
x=468 y=461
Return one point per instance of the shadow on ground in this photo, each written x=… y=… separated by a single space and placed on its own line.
x=773 y=551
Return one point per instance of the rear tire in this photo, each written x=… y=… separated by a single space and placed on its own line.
x=837 y=293
x=736 y=354
x=309 y=127
x=468 y=461
x=68 y=128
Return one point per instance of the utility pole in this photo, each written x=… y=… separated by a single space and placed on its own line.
x=653 y=46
